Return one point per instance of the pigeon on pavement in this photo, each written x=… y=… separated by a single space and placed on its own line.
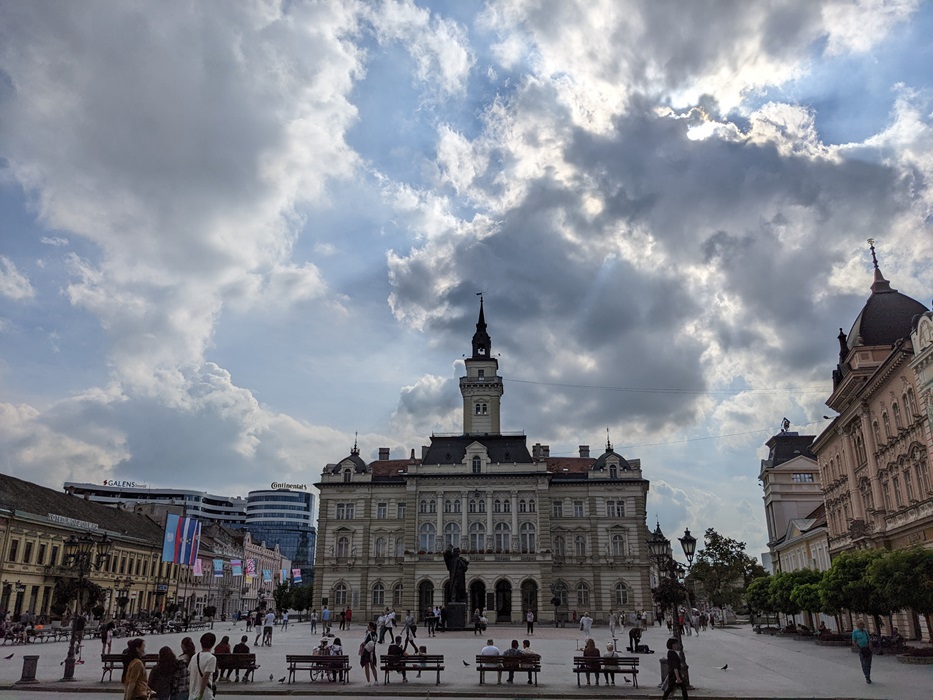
x=724 y=668
x=282 y=679
x=271 y=676
x=10 y=656
x=465 y=663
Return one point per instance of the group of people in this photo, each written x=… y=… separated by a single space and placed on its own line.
x=436 y=619
x=492 y=650
x=190 y=675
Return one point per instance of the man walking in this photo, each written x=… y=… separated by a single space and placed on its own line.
x=530 y=622
x=201 y=670
x=675 y=673
x=862 y=642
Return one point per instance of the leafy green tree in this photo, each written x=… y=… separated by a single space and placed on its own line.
x=724 y=569
x=758 y=596
x=669 y=593
x=781 y=588
x=847 y=586
x=905 y=578
x=282 y=597
x=302 y=597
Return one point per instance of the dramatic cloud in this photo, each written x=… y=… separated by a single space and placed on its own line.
x=241 y=234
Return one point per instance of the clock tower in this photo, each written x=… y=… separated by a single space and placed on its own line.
x=482 y=386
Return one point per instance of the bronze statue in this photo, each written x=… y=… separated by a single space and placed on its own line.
x=456 y=567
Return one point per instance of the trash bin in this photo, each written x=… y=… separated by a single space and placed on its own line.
x=663 y=661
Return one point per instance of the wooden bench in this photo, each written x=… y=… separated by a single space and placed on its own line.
x=497 y=664
x=626 y=665
x=318 y=664
x=115 y=661
x=238 y=662
x=415 y=662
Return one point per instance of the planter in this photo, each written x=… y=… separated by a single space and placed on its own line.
x=916 y=660
x=804 y=637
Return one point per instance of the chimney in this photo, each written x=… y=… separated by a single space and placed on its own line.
x=539 y=451
x=383 y=453
x=585 y=451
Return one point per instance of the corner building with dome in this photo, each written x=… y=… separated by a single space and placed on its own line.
x=534 y=527
x=874 y=458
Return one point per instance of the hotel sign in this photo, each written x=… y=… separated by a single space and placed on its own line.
x=125 y=484
x=71 y=522
x=296 y=487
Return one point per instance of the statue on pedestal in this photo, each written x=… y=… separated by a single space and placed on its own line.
x=456 y=567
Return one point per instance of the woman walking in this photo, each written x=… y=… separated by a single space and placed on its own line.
x=164 y=675
x=368 y=654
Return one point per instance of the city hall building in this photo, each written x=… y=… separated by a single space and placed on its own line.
x=533 y=527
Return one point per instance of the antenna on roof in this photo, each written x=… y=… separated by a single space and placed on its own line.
x=356 y=449
x=608 y=443
x=871 y=246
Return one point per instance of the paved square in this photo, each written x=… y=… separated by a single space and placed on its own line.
x=759 y=666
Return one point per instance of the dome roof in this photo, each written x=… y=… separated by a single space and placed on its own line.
x=886 y=317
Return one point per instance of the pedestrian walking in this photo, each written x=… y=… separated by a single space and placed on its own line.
x=675 y=674
x=313 y=620
x=530 y=622
x=862 y=641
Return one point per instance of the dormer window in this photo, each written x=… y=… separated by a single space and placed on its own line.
x=481 y=373
x=613 y=471
x=346 y=476
x=477 y=465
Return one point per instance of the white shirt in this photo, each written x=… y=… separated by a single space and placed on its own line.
x=490 y=651
x=269 y=619
x=204 y=662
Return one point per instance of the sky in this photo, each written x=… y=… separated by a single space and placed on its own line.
x=236 y=237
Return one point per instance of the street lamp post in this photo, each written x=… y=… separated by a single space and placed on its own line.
x=122 y=588
x=80 y=555
x=660 y=548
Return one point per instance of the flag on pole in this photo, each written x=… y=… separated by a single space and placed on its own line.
x=198 y=569
x=250 y=568
x=296 y=575
x=218 y=568
x=267 y=575
x=237 y=567
x=284 y=576
x=182 y=539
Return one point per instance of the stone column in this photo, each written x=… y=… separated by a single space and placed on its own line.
x=439 y=544
x=490 y=535
x=514 y=498
x=871 y=447
x=464 y=532
x=855 y=494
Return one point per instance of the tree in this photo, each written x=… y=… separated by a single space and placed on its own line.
x=781 y=587
x=84 y=592
x=282 y=597
x=302 y=597
x=669 y=593
x=905 y=577
x=806 y=597
x=758 y=596
x=847 y=586
x=724 y=569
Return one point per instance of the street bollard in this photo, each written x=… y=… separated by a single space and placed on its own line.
x=30 y=663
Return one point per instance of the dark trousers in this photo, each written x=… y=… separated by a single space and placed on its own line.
x=864 y=657
x=672 y=686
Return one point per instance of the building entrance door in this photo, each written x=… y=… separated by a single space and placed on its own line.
x=425 y=598
x=503 y=601
x=477 y=599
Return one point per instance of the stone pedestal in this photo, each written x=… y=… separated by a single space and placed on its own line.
x=456 y=616
x=30 y=663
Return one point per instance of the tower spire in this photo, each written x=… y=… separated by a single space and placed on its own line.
x=482 y=344
x=880 y=284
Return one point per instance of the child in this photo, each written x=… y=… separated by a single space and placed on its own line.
x=422 y=650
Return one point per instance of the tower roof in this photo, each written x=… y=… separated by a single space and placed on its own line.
x=887 y=315
x=482 y=344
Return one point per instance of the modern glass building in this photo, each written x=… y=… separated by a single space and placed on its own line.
x=285 y=518
x=226 y=510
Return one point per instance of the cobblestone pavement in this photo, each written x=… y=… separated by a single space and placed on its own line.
x=759 y=666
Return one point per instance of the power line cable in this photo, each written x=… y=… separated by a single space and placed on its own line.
x=644 y=390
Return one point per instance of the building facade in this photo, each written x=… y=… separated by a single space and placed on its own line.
x=874 y=457
x=533 y=527
x=206 y=507
x=284 y=518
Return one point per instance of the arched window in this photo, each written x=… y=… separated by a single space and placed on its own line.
x=432 y=506
x=613 y=471
x=477 y=537
x=579 y=545
x=618 y=545
x=471 y=507
x=503 y=537
x=497 y=506
x=560 y=592
x=559 y=546
x=448 y=506
x=526 y=537
x=482 y=505
x=399 y=547
x=423 y=506
x=896 y=410
x=347 y=475
x=908 y=484
x=340 y=595
x=910 y=403
x=506 y=505
x=887 y=426
x=452 y=535
x=485 y=409
x=426 y=534
x=477 y=465
x=477 y=409
x=583 y=595
x=380 y=547
x=379 y=594
x=621 y=595
x=531 y=506
x=456 y=505
x=397 y=592
x=522 y=506
x=343 y=546
x=876 y=431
